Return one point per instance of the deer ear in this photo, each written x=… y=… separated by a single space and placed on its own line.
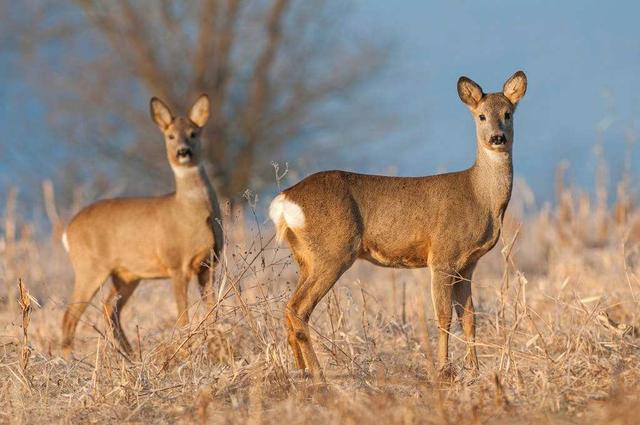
x=200 y=111
x=515 y=87
x=160 y=113
x=469 y=92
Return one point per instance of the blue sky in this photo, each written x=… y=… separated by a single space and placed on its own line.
x=582 y=59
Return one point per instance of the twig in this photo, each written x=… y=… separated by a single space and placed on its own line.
x=25 y=306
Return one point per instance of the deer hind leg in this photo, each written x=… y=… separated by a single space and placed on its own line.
x=87 y=283
x=441 y=290
x=465 y=312
x=291 y=333
x=293 y=343
x=122 y=289
x=299 y=308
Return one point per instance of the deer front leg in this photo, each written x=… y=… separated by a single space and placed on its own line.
x=441 y=290
x=465 y=312
x=180 y=289
x=122 y=291
x=205 y=281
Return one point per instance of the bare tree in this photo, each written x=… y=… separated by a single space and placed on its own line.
x=273 y=69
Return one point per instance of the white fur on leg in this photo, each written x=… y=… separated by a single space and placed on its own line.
x=65 y=241
x=433 y=300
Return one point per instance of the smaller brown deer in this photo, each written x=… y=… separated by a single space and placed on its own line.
x=445 y=222
x=130 y=239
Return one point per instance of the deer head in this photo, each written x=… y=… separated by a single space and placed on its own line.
x=181 y=134
x=493 y=112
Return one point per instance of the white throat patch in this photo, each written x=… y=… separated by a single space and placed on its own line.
x=496 y=156
x=184 y=171
x=195 y=190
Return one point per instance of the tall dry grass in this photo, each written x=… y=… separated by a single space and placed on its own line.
x=557 y=306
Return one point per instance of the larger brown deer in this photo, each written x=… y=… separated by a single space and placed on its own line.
x=445 y=222
x=130 y=239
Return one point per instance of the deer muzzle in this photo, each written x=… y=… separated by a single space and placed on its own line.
x=184 y=154
x=498 y=139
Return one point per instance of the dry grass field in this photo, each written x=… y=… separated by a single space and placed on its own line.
x=557 y=304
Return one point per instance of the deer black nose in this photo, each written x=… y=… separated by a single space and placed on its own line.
x=184 y=152
x=498 y=139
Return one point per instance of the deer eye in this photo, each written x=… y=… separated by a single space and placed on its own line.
x=193 y=135
x=482 y=117
x=507 y=116
x=171 y=136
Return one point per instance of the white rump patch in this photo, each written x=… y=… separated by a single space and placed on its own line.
x=285 y=214
x=65 y=241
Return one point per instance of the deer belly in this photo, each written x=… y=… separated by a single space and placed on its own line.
x=187 y=258
x=135 y=260
x=397 y=257
x=141 y=268
x=159 y=261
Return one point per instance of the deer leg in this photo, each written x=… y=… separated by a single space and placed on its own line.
x=205 y=282
x=441 y=289
x=293 y=342
x=123 y=290
x=85 y=287
x=291 y=333
x=299 y=309
x=107 y=305
x=465 y=312
x=181 y=290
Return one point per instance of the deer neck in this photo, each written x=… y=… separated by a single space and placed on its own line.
x=192 y=187
x=492 y=179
